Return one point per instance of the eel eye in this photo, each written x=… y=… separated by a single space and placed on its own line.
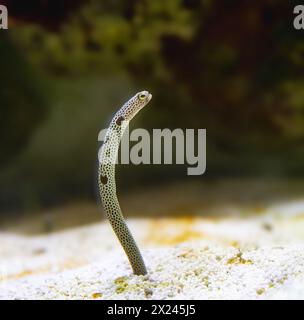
x=141 y=96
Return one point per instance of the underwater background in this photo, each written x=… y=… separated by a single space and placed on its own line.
x=233 y=68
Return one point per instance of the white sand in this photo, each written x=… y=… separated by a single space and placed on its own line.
x=260 y=257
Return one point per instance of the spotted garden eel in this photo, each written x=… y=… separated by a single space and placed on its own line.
x=106 y=178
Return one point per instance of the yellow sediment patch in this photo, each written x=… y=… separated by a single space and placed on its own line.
x=260 y=291
x=297 y=217
x=96 y=295
x=121 y=284
x=172 y=231
x=238 y=259
x=61 y=266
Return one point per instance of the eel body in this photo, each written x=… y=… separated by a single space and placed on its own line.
x=106 y=178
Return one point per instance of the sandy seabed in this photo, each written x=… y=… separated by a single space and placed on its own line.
x=255 y=257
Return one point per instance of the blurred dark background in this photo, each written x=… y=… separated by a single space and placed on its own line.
x=235 y=68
